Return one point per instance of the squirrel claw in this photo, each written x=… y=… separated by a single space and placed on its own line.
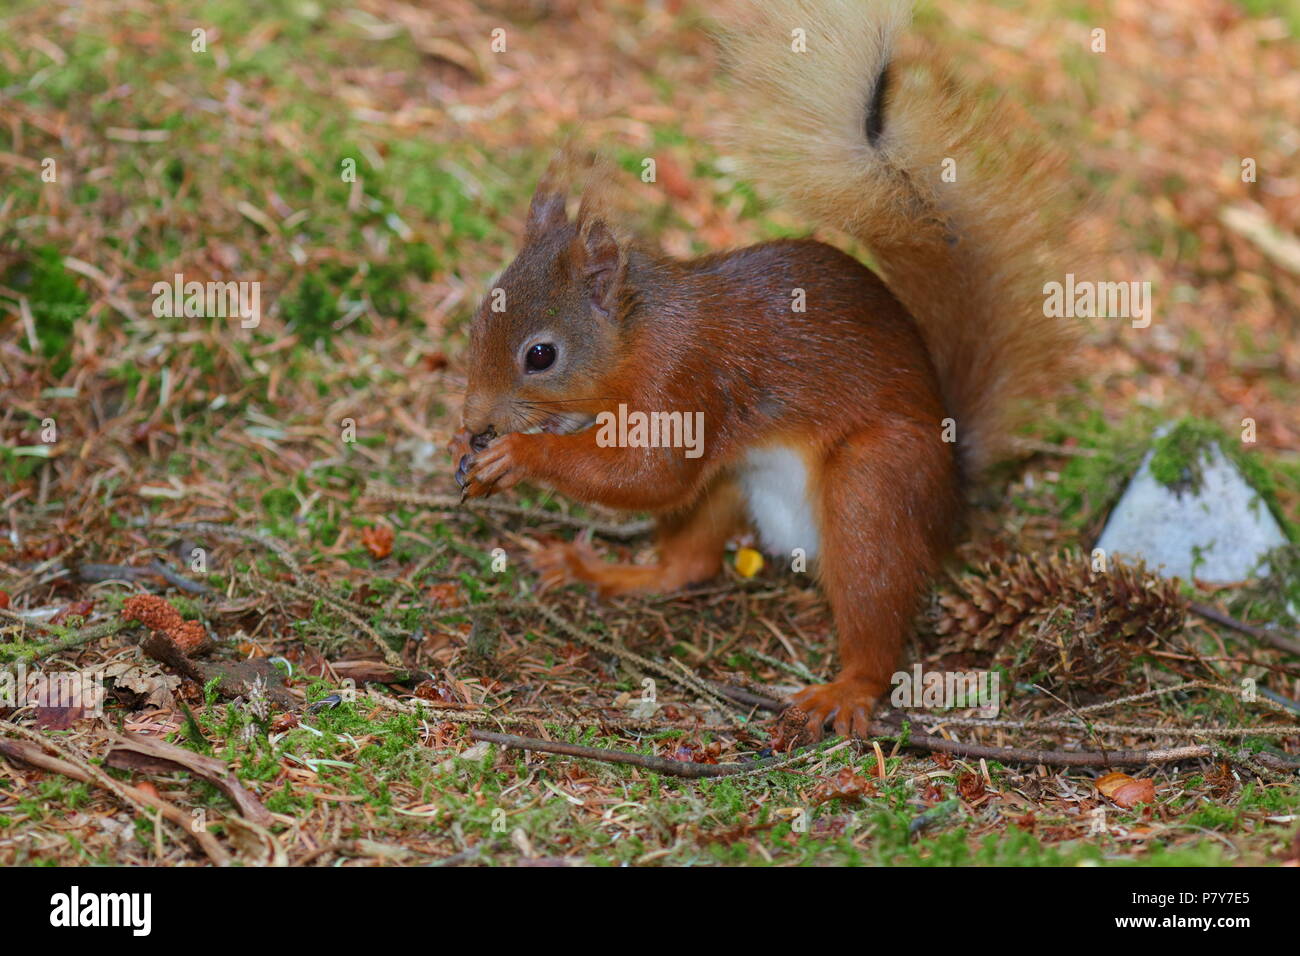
x=468 y=446
x=495 y=467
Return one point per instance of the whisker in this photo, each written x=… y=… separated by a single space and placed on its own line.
x=564 y=401
x=532 y=419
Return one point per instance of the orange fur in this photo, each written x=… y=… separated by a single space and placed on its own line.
x=691 y=546
x=844 y=403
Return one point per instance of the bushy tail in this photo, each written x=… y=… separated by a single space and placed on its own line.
x=945 y=192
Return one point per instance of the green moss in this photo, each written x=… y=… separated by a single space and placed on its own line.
x=56 y=301
x=1213 y=817
x=1178 y=462
x=1178 y=456
x=1089 y=484
x=280 y=503
x=311 y=309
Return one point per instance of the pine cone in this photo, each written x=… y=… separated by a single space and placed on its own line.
x=158 y=614
x=1057 y=621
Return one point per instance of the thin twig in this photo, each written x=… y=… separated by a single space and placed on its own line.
x=1282 y=640
x=675 y=768
x=123 y=572
x=683 y=678
x=68 y=638
x=1063 y=758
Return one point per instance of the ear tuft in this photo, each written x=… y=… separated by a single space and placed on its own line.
x=545 y=212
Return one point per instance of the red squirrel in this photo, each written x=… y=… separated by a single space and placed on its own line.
x=843 y=415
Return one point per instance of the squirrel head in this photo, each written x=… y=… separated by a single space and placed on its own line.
x=552 y=328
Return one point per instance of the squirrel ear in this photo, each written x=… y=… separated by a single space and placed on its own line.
x=603 y=265
x=545 y=212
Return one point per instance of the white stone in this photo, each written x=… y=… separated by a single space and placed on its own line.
x=1219 y=533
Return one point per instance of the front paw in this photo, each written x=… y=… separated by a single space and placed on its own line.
x=845 y=703
x=497 y=467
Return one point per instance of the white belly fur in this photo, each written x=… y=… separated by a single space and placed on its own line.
x=775 y=483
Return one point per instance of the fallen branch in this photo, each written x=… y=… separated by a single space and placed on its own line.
x=236 y=678
x=134 y=752
x=748 y=697
x=1053 y=758
x=1275 y=697
x=29 y=752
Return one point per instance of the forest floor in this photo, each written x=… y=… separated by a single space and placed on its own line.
x=286 y=487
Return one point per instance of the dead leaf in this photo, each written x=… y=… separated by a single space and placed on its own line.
x=80 y=609
x=1126 y=791
x=970 y=787
x=254 y=844
x=151 y=689
x=58 y=718
x=675 y=181
x=364 y=671
x=845 y=785
x=438 y=692
x=445 y=595
x=378 y=541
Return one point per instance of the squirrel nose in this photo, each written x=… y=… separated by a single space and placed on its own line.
x=477 y=413
x=478 y=423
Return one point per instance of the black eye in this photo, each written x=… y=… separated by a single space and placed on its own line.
x=540 y=357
